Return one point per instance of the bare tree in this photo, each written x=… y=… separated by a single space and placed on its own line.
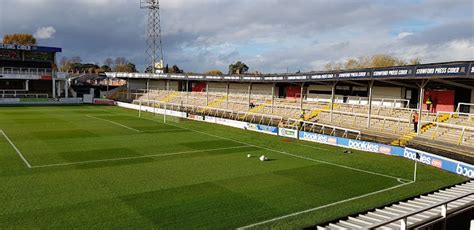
x=109 y=62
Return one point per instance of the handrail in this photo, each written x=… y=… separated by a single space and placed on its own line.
x=248 y=114
x=404 y=217
x=24 y=95
x=463 y=103
x=448 y=125
x=309 y=106
x=243 y=95
x=26 y=70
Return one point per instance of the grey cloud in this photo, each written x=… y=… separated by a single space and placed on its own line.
x=197 y=34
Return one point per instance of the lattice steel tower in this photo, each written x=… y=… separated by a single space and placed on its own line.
x=154 y=48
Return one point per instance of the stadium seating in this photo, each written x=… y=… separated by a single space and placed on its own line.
x=389 y=118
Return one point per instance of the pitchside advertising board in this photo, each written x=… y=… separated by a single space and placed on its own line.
x=291 y=133
x=424 y=157
x=262 y=128
x=447 y=164
x=350 y=143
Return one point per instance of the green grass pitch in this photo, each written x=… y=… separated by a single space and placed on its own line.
x=103 y=167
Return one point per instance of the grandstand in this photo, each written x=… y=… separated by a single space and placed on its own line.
x=181 y=151
x=30 y=72
x=378 y=102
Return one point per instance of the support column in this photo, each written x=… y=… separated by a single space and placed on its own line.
x=207 y=93
x=331 y=106
x=273 y=97
x=66 y=88
x=187 y=92
x=301 y=97
x=128 y=88
x=148 y=90
x=27 y=85
x=420 y=107
x=54 y=88
x=249 y=95
x=369 y=112
x=167 y=85
x=58 y=89
x=227 y=95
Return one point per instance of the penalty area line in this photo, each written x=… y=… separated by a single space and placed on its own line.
x=115 y=123
x=138 y=157
x=16 y=149
x=322 y=207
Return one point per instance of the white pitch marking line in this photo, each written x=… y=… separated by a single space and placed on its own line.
x=281 y=152
x=324 y=206
x=138 y=157
x=115 y=123
x=161 y=130
x=16 y=149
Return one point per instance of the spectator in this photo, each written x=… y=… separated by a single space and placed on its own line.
x=428 y=103
x=416 y=118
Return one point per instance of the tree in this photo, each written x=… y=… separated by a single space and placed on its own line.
x=238 y=68
x=213 y=72
x=121 y=61
x=109 y=62
x=133 y=68
x=19 y=39
x=175 y=69
x=375 y=61
x=382 y=60
x=67 y=64
x=106 y=68
x=415 y=61
x=126 y=68
x=351 y=64
x=333 y=66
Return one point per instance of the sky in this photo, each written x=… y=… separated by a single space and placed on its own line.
x=270 y=36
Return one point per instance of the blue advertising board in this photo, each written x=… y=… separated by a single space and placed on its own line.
x=440 y=162
x=434 y=160
x=263 y=128
x=353 y=144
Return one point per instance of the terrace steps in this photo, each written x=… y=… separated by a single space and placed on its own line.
x=316 y=112
x=379 y=215
x=214 y=104
x=169 y=97
x=260 y=107
x=403 y=140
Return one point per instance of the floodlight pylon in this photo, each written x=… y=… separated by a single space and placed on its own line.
x=154 y=47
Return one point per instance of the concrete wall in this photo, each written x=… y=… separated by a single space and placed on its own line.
x=388 y=92
x=217 y=87
x=137 y=84
x=472 y=95
x=158 y=85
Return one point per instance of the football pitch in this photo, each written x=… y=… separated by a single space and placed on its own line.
x=104 y=167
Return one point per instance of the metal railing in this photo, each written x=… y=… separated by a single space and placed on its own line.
x=471 y=105
x=23 y=95
x=462 y=130
x=443 y=213
x=26 y=71
x=256 y=118
x=395 y=120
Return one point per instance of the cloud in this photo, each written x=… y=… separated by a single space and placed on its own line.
x=403 y=35
x=268 y=35
x=45 y=32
